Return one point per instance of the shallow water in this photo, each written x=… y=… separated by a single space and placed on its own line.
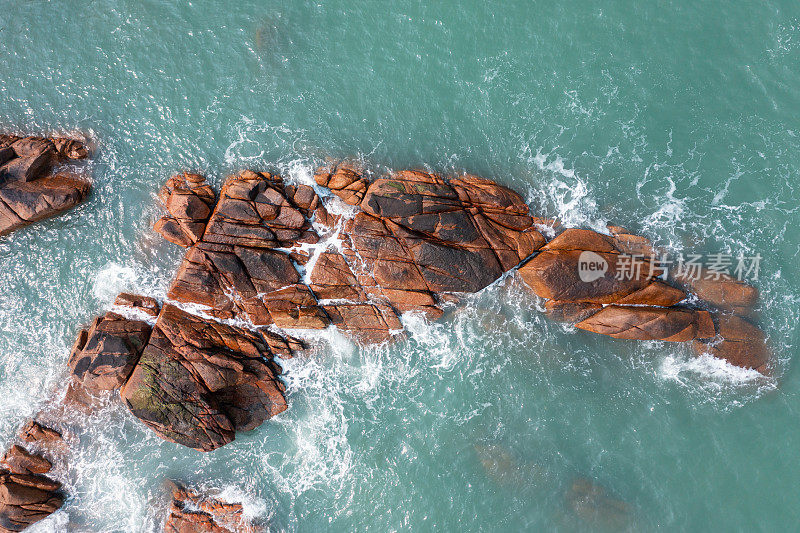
x=679 y=120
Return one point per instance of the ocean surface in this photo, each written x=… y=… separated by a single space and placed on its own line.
x=677 y=119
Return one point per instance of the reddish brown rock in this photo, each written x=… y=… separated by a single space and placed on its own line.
x=554 y=272
x=254 y=210
x=570 y=312
x=26 y=499
x=20 y=461
x=22 y=203
x=650 y=323
x=400 y=253
x=144 y=304
x=28 y=190
x=740 y=343
x=105 y=354
x=33 y=431
x=631 y=303
x=198 y=381
x=345 y=181
x=189 y=201
x=191 y=512
x=720 y=290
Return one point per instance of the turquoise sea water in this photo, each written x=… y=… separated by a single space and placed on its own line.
x=679 y=120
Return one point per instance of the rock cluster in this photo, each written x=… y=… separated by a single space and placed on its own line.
x=193 y=380
x=191 y=512
x=28 y=190
x=640 y=304
x=273 y=255
x=269 y=255
x=26 y=495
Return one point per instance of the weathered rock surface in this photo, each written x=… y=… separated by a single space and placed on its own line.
x=199 y=381
x=650 y=323
x=104 y=355
x=189 y=200
x=628 y=300
x=553 y=273
x=415 y=237
x=33 y=431
x=191 y=512
x=740 y=343
x=26 y=499
x=26 y=496
x=20 y=461
x=28 y=190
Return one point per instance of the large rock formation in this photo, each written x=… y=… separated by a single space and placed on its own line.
x=415 y=237
x=199 y=381
x=269 y=256
x=28 y=190
x=629 y=296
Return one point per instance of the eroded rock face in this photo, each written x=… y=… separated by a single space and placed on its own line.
x=26 y=499
x=189 y=200
x=27 y=496
x=28 y=190
x=191 y=512
x=415 y=237
x=104 y=355
x=199 y=381
x=639 y=304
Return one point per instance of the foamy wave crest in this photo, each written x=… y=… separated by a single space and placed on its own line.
x=565 y=196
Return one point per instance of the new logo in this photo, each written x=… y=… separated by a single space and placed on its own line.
x=591 y=266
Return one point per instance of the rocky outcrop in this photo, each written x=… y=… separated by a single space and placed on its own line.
x=199 y=381
x=415 y=237
x=26 y=495
x=191 y=512
x=270 y=256
x=609 y=284
x=189 y=200
x=29 y=191
x=33 y=431
x=192 y=379
x=26 y=499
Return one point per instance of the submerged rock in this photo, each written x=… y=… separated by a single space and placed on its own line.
x=595 y=506
x=191 y=512
x=28 y=190
x=740 y=343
